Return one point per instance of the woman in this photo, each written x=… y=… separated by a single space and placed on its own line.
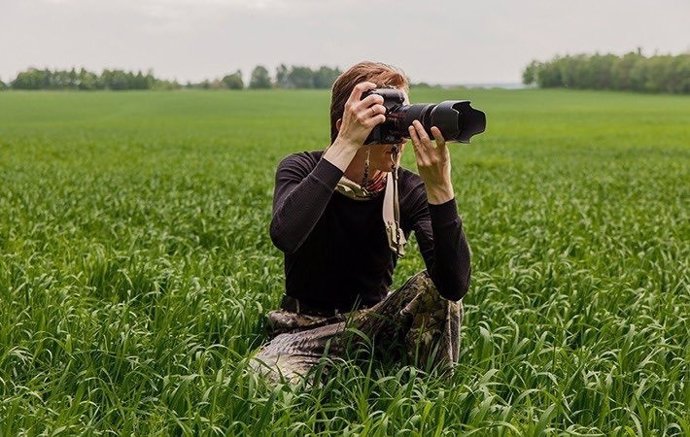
x=341 y=217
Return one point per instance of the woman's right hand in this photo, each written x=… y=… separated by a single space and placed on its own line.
x=360 y=116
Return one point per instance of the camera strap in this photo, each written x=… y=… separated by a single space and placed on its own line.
x=391 y=210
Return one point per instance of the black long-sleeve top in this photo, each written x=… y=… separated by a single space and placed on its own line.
x=336 y=249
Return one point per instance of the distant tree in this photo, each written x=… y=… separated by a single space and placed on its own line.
x=233 y=81
x=602 y=71
x=638 y=75
x=153 y=83
x=298 y=76
x=677 y=71
x=218 y=84
x=260 y=78
x=88 y=80
x=301 y=77
x=325 y=76
x=73 y=79
x=632 y=71
x=166 y=85
x=31 y=79
x=529 y=75
x=424 y=85
x=659 y=74
x=34 y=79
x=549 y=75
x=3 y=85
x=117 y=80
x=282 y=77
x=621 y=69
x=567 y=70
x=56 y=80
x=140 y=82
x=682 y=68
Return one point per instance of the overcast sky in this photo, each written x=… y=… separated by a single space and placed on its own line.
x=461 y=41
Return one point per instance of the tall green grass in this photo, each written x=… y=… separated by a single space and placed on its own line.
x=135 y=268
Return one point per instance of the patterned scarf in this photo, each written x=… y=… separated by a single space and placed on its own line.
x=355 y=191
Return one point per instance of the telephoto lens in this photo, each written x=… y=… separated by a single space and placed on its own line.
x=456 y=119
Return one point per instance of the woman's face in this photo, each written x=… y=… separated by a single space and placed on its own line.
x=381 y=156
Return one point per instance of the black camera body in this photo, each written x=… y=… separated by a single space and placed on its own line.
x=456 y=119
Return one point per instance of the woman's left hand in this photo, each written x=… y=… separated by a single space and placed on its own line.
x=433 y=163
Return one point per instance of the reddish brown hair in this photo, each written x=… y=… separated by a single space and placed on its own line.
x=382 y=75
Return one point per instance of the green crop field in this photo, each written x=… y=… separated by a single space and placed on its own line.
x=136 y=266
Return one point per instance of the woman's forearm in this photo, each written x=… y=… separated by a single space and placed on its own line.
x=446 y=253
x=341 y=153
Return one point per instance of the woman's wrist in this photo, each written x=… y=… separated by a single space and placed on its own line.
x=439 y=194
x=341 y=153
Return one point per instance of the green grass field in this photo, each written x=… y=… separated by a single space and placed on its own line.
x=136 y=266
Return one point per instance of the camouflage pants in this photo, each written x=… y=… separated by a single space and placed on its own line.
x=413 y=324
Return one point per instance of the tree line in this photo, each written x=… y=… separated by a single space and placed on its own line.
x=82 y=79
x=295 y=76
x=631 y=72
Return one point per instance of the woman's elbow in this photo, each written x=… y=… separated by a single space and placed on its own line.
x=464 y=287
x=281 y=239
x=278 y=238
x=453 y=294
x=455 y=291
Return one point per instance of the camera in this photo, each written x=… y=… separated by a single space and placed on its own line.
x=456 y=119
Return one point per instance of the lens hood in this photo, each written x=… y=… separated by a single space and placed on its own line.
x=457 y=120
